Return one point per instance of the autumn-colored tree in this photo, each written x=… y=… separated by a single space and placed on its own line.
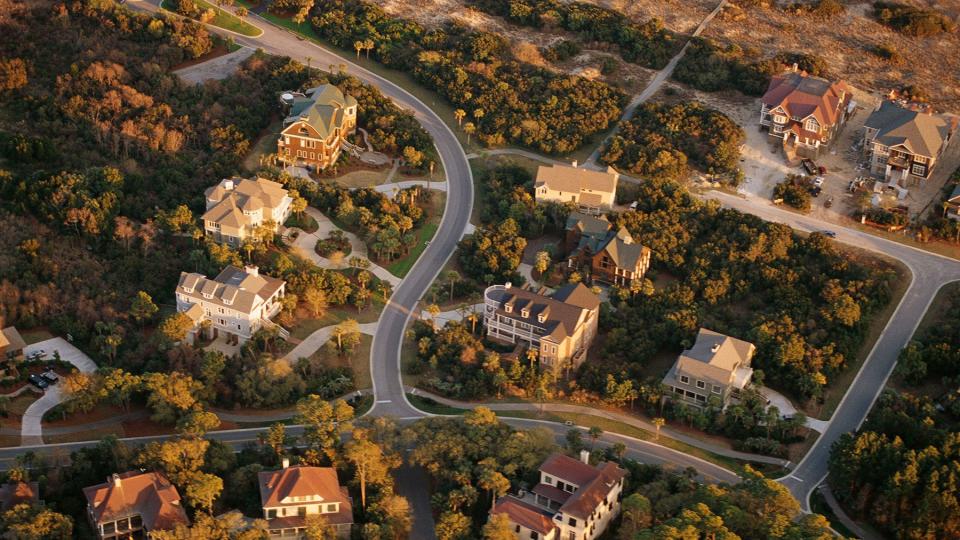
x=370 y=464
x=324 y=423
x=174 y=328
x=143 y=309
x=170 y=395
x=202 y=489
x=34 y=522
x=498 y=527
x=120 y=386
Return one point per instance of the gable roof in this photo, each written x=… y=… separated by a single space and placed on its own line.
x=574 y=179
x=227 y=201
x=801 y=95
x=236 y=288
x=524 y=514
x=323 y=108
x=920 y=133
x=11 y=339
x=587 y=225
x=593 y=483
x=562 y=311
x=714 y=356
x=147 y=494
x=300 y=481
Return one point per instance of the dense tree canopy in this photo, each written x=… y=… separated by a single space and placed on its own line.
x=522 y=104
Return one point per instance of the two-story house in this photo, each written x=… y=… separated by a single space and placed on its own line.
x=805 y=112
x=291 y=494
x=572 y=501
x=590 y=191
x=603 y=254
x=903 y=144
x=133 y=505
x=316 y=127
x=236 y=303
x=560 y=326
x=11 y=344
x=236 y=207
x=716 y=365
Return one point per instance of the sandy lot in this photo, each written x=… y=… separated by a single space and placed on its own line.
x=845 y=43
x=217 y=68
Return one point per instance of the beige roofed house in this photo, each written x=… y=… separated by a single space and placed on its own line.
x=561 y=326
x=291 y=494
x=11 y=344
x=237 y=302
x=237 y=206
x=592 y=191
x=716 y=365
x=133 y=504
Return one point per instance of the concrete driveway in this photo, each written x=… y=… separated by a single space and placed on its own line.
x=31 y=430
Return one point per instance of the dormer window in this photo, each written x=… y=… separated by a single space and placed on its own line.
x=524 y=313
x=303 y=131
x=508 y=308
x=541 y=317
x=207 y=295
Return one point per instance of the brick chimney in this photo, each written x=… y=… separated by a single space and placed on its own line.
x=252 y=270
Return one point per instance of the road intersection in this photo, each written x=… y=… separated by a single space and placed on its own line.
x=929 y=272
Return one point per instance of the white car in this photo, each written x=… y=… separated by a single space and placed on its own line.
x=818 y=181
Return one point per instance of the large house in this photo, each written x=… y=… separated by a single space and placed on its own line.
x=716 y=365
x=591 y=191
x=237 y=302
x=236 y=207
x=903 y=144
x=11 y=344
x=133 y=505
x=953 y=204
x=291 y=494
x=316 y=127
x=573 y=501
x=560 y=326
x=604 y=254
x=805 y=112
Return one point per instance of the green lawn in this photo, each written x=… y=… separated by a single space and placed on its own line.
x=358 y=361
x=304 y=222
x=304 y=327
x=401 y=266
x=226 y=20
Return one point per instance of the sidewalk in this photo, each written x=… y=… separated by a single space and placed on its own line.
x=610 y=415
x=318 y=338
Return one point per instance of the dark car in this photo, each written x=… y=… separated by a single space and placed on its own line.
x=38 y=381
x=50 y=376
x=831 y=234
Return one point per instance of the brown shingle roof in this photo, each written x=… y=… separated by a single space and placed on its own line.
x=11 y=339
x=563 y=310
x=920 y=133
x=234 y=285
x=524 y=514
x=593 y=483
x=149 y=495
x=568 y=469
x=801 y=95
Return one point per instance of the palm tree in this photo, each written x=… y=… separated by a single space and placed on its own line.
x=368 y=44
x=452 y=278
x=459 y=114
x=241 y=13
x=433 y=310
x=658 y=423
x=595 y=433
x=469 y=128
x=478 y=114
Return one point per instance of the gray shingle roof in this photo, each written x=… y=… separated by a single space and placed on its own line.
x=920 y=133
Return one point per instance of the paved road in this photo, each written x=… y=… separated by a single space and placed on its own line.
x=31 y=426
x=929 y=273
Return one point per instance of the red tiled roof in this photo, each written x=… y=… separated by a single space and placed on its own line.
x=568 y=469
x=149 y=495
x=586 y=499
x=523 y=514
x=552 y=492
x=801 y=95
x=298 y=481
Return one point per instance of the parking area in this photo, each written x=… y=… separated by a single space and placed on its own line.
x=31 y=430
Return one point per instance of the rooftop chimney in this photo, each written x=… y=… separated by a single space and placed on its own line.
x=285 y=462
x=116 y=479
x=227 y=183
x=507 y=285
x=252 y=270
x=574 y=163
x=585 y=456
x=794 y=67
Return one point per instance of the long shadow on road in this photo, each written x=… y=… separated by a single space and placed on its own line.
x=413 y=483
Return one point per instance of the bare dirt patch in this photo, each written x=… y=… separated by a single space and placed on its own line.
x=846 y=42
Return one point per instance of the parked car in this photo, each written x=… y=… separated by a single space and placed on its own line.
x=829 y=202
x=816 y=191
x=822 y=169
x=38 y=381
x=831 y=234
x=818 y=181
x=809 y=166
x=37 y=355
x=51 y=376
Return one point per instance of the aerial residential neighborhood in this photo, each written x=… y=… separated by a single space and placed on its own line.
x=479 y=269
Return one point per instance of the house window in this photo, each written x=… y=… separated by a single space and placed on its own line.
x=780 y=119
x=701 y=399
x=272 y=513
x=811 y=125
x=547 y=479
x=716 y=389
x=684 y=379
x=331 y=508
x=516 y=529
x=508 y=308
x=918 y=170
x=701 y=384
x=919 y=159
x=534 y=535
x=572 y=522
